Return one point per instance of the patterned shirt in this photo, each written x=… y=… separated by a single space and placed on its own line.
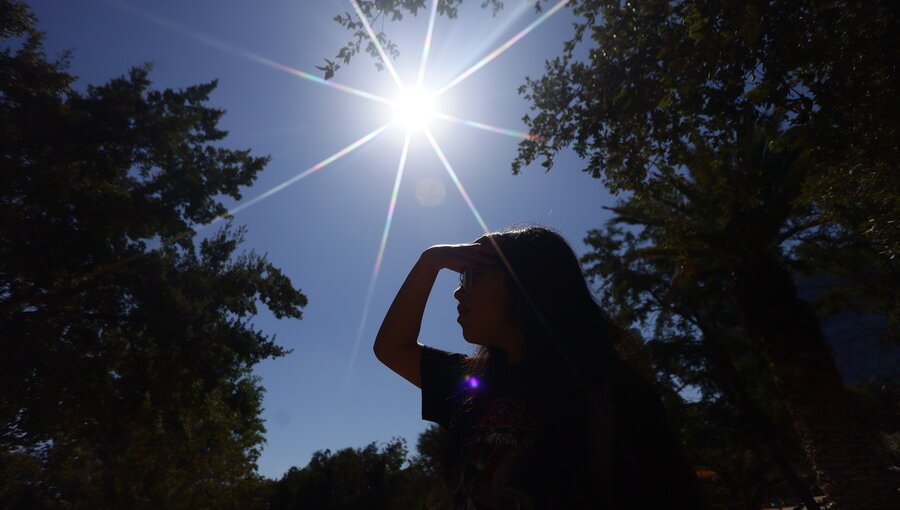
x=496 y=439
x=496 y=468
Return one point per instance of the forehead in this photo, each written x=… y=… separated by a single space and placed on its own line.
x=486 y=240
x=489 y=272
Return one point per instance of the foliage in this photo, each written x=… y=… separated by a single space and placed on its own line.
x=734 y=426
x=377 y=11
x=776 y=120
x=360 y=478
x=875 y=402
x=125 y=370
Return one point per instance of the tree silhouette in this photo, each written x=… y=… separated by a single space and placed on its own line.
x=735 y=426
x=361 y=478
x=125 y=366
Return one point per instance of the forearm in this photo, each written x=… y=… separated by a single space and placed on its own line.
x=401 y=325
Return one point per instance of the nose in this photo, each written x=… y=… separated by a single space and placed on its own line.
x=458 y=293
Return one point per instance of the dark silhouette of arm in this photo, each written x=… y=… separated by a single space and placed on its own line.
x=396 y=343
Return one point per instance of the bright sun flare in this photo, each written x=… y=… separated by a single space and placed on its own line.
x=414 y=109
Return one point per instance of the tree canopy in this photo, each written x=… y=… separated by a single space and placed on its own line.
x=365 y=478
x=125 y=369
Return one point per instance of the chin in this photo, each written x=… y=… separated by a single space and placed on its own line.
x=473 y=341
x=468 y=337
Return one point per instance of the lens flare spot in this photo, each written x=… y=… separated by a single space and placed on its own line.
x=430 y=192
x=472 y=381
x=414 y=109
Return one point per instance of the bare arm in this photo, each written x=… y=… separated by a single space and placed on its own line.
x=396 y=344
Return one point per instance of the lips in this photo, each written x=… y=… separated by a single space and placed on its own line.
x=461 y=310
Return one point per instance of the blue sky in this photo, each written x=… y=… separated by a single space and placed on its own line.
x=325 y=230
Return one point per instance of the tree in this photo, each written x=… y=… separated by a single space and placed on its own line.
x=431 y=464
x=125 y=368
x=736 y=426
x=357 y=478
x=381 y=10
x=755 y=137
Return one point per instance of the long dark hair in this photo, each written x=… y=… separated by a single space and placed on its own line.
x=589 y=406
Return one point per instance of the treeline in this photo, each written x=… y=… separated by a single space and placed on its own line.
x=743 y=460
x=367 y=478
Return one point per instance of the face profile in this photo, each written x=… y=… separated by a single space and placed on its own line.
x=484 y=304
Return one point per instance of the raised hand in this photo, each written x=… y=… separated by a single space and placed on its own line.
x=457 y=257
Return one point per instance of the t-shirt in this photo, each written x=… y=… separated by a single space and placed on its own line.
x=648 y=470
x=496 y=439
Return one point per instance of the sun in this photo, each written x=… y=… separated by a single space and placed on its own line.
x=414 y=109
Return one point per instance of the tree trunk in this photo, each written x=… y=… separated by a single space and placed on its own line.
x=734 y=386
x=844 y=458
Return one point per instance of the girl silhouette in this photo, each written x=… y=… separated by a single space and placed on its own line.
x=544 y=414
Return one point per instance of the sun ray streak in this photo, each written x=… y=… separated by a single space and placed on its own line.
x=313 y=78
x=503 y=47
x=309 y=171
x=190 y=232
x=455 y=179
x=487 y=127
x=426 y=47
x=392 y=205
x=374 y=38
x=241 y=52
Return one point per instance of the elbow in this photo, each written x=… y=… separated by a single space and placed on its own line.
x=378 y=350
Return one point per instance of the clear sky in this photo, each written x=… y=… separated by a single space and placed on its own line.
x=325 y=230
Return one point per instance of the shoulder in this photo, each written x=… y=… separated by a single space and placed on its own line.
x=435 y=356
x=443 y=384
